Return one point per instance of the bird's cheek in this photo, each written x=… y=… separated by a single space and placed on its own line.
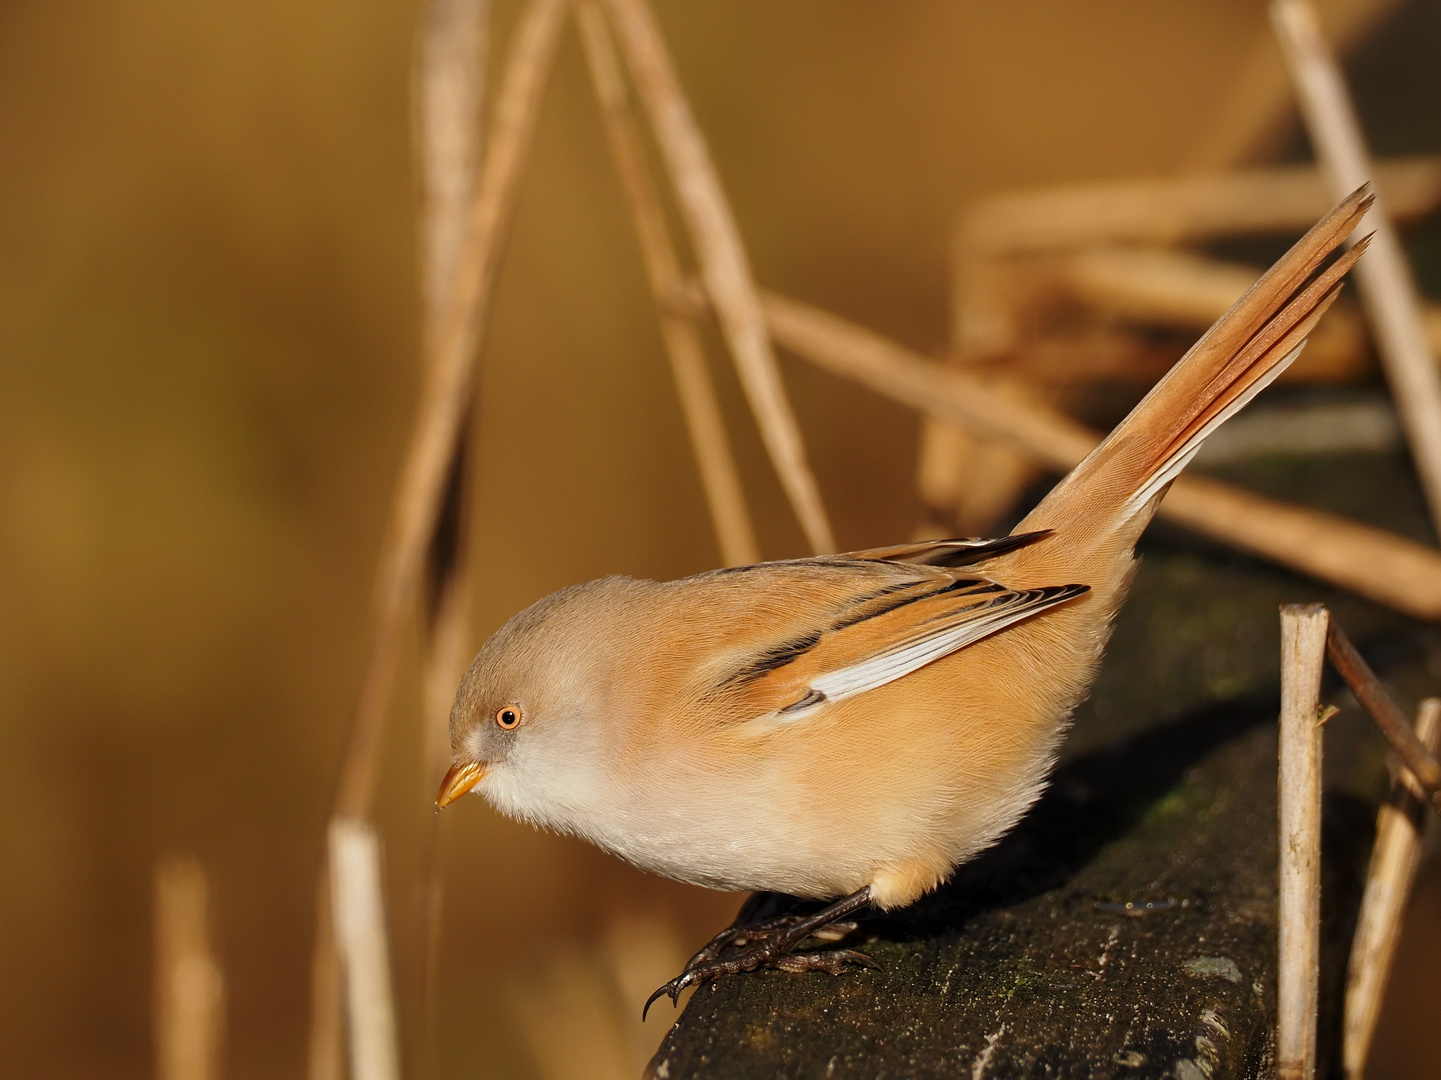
x=473 y=747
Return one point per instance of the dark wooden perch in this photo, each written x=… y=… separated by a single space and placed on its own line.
x=1128 y=926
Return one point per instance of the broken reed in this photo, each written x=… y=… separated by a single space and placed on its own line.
x=358 y=906
x=1298 y=969
x=1310 y=636
x=189 y=984
x=1395 y=858
x=1373 y=562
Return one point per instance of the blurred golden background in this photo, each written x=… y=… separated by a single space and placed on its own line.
x=208 y=346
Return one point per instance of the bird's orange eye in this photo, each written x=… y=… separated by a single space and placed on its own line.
x=507 y=716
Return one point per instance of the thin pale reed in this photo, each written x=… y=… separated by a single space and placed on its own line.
x=1303 y=658
x=420 y=494
x=1373 y=562
x=1384 y=279
x=720 y=479
x=724 y=267
x=189 y=982
x=1395 y=858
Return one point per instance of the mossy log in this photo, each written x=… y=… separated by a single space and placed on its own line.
x=1128 y=926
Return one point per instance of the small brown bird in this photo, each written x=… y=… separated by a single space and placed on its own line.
x=856 y=725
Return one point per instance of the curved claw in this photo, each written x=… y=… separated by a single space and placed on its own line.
x=673 y=988
x=861 y=958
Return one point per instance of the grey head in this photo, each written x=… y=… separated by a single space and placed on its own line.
x=529 y=724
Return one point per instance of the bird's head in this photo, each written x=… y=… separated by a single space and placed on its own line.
x=528 y=725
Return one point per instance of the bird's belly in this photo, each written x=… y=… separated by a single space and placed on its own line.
x=885 y=782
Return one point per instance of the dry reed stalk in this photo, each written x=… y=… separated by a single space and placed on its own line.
x=1184 y=290
x=724 y=268
x=1388 y=291
x=1099 y=352
x=1298 y=971
x=447 y=655
x=450 y=86
x=1150 y=284
x=449 y=650
x=360 y=939
x=966 y=480
x=720 y=479
x=1384 y=713
x=1165 y=287
x=450 y=89
x=189 y=985
x=445 y=392
x=1258 y=99
x=1372 y=562
x=943 y=461
x=1013 y=249
x=1241 y=202
x=431 y=457
x=1400 y=828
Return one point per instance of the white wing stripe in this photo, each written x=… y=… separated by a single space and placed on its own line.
x=891 y=665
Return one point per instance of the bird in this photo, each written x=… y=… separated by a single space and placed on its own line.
x=851 y=728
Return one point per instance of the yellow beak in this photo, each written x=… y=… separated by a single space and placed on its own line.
x=458 y=780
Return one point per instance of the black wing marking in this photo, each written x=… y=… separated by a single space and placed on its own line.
x=950 y=553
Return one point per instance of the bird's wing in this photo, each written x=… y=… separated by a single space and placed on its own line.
x=877 y=639
x=950 y=553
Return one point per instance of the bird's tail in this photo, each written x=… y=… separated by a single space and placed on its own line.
x=1236 y=358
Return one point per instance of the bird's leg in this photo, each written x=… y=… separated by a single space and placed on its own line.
x=773 y=944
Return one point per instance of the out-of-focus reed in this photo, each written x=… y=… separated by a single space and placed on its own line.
x=189 y=982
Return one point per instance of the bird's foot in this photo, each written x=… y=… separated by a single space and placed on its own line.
x=774 y=943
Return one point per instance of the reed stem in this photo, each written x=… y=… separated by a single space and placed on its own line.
x=189 y=984
x=1388 y=290
x=1387 y=568
x=724 y=267
x=1303 y=657
x=361 y=943
x=1400 y=829
x=720 y=479
x=431 y=457
x=1384 y=713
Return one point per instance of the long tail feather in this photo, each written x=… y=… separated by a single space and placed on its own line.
x=1235 y=359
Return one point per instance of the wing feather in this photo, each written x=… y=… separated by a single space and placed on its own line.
x=950 y=552
x=940 y=636
x=881 y=634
